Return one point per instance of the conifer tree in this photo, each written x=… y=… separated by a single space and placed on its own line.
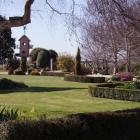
x=78 y=63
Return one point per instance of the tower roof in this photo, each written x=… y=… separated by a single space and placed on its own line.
x=24 y=36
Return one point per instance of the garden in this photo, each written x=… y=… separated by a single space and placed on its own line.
x=93 y=94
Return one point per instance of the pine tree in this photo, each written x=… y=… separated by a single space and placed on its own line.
x=78 y=63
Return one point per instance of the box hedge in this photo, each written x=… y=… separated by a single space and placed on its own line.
x=84 y=79
x=109 y=91
x=53 y=73
x=91 y=126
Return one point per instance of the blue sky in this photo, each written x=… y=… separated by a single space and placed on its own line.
x=43 y=32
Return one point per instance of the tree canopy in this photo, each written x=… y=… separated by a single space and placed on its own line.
x=7 y=45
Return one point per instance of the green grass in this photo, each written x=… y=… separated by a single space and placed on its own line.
x=55 y=97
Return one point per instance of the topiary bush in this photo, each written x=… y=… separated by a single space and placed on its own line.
x=6 y=84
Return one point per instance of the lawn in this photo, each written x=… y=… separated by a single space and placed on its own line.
x=55 y=97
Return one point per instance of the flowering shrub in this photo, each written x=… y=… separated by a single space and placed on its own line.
x=125 y=76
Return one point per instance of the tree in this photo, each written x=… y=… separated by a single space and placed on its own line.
x=7 y=45
x=78 y=63
x=17 y=21
x=106 y=37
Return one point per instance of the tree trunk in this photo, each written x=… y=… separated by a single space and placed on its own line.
x=18 y=21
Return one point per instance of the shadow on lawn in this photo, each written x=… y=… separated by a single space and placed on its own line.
x=49 y=89
x=41 y=89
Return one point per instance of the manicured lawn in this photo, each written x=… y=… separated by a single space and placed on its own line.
x=55 y=97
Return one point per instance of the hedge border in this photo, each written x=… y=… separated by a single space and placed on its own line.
x=81 y=126
x=58 y=74
x=84 y=79
x=115 y=93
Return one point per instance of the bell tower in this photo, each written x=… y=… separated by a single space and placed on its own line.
x=24 y=46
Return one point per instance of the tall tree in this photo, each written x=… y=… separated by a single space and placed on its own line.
x=78 y=63
x=7 y=45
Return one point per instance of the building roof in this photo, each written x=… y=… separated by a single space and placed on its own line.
x=24 y=36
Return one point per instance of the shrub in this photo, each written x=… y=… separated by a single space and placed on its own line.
x=85 y=79
x=19 y=72
x=124 y=76
x=109 y=91
x=115 y=78
x=120 y=125
x=65 y=63
x=6 y=84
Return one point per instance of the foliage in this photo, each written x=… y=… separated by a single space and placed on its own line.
x=7 y=45
x=34 y=54
x=6 y=84
x=85 y=79
x=23 y=64
x=81 y=126
x=124 y=76
x=65 y=63
x=7 y=113
x=115 y=78
x=131 y=85
x=123 y=92
x=78 y=63
x=43 y=59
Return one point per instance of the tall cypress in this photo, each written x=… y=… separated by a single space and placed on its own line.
x=78 y=63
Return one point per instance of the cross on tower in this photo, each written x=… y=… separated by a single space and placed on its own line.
x=24 y=28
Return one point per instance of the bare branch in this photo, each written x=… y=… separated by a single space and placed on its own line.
x=18 y=21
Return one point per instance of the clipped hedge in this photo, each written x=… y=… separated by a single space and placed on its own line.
x=84 y=79
x=53 y=73
x=91 y=126
x=109 y=91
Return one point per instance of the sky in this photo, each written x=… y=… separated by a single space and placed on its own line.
x=43 y=31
